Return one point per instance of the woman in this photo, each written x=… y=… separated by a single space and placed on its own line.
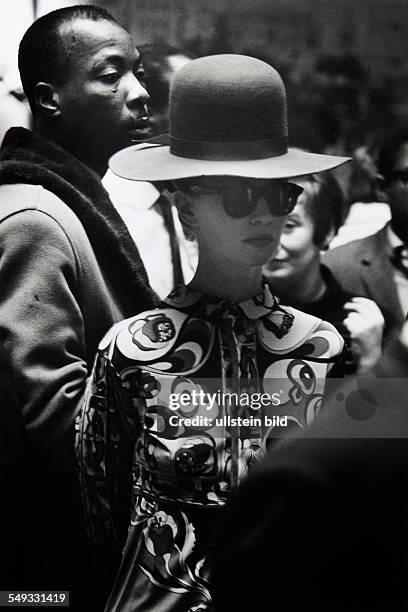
x=167 y=384
x=297 y=275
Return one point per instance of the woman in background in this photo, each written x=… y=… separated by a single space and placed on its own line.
x=297 y=275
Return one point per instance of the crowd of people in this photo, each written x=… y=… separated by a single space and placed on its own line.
x=160 y=242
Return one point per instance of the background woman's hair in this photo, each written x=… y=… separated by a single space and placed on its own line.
x=326 y=206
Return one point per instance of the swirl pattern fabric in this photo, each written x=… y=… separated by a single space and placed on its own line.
x=170 y=478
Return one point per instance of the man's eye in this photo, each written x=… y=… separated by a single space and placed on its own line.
x=110 y=78
x=141 y=76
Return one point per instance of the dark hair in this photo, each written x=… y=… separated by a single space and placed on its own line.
x=155 y=58
x=326 y=206
x=43 y=54
x=389 y=150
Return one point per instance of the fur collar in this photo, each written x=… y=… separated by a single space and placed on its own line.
x=26 y=157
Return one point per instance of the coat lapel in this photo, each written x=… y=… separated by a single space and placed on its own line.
x=378 y=274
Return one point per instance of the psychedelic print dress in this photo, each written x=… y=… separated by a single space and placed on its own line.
x=157 y=442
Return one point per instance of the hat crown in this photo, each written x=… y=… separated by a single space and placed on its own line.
x=227 y=117
x=228 y=99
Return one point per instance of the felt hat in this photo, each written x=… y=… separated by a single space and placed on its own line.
x=227 y=117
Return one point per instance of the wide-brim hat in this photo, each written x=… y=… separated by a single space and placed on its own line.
x=228 y=116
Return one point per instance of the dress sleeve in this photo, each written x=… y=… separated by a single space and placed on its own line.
x=42 y=330
x=107 y=428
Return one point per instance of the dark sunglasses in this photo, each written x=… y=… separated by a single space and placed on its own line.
x=240 y=197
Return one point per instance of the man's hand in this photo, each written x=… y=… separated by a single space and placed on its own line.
x=365 y=324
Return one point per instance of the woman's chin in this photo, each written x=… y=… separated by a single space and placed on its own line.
x=276 y=269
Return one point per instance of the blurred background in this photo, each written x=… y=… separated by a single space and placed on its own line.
x=344 y=62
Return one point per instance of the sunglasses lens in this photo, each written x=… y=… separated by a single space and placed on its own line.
x=237 y=201
x=294 y=192
x=240 y=198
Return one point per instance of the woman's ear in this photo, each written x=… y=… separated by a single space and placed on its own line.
x=47 y=100
x=325 y=242
x=185 y=209
x=186 y=214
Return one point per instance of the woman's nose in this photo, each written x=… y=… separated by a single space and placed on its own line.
x=261 y=213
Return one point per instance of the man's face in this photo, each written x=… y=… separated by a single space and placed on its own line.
x=159 y=109
x=397 y=193
x=103 y=100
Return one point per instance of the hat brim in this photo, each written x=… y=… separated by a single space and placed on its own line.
x=156 y=163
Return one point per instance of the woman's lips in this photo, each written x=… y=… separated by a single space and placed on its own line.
x=276 y=263
x=261 y=240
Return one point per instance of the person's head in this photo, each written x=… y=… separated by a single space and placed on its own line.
x=363 y=183
x=228 y=157
x=393 y=170
x=308 y=230
x=83 y=79
x=161 y=62
x=235 y=219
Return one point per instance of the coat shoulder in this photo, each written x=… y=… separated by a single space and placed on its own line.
x=351 y=248
x=346 y=256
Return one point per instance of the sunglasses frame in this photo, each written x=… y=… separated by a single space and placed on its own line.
x=243 y=191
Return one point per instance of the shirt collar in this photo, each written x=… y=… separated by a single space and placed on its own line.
x=138 y=195
x=188 y=300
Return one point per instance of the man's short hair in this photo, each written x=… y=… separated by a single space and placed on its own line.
x=389 y=150
x=43 y=54
x=326 y=206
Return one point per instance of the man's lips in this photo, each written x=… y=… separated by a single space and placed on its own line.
x=141 y=123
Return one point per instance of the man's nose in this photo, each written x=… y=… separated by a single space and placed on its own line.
x=136 y=93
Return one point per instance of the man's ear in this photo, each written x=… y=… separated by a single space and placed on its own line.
x=47 y=99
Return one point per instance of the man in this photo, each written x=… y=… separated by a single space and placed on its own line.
x=168 y=256
x=68 y=267
x=12 y=475
x=374 y=266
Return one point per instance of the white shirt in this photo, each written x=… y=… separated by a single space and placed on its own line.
x=364 y=219
x=135 y=202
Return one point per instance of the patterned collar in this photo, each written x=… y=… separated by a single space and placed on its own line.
x=186 y=299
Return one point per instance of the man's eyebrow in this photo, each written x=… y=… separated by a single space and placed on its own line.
x=112 y=58
x=118 y=59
